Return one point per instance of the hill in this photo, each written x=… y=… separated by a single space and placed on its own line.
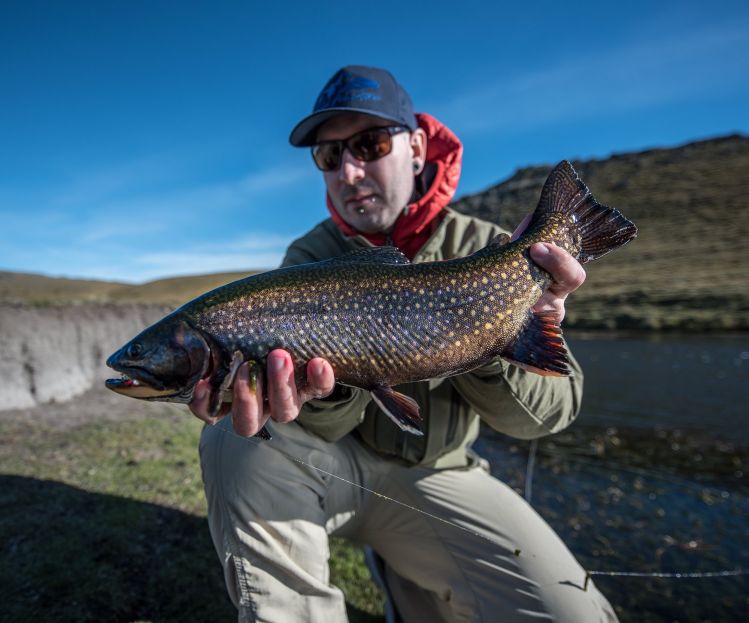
x=31 y=289
x=688 y=268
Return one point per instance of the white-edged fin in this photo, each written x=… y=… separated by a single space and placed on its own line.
x=236 y=361
x=404 y=411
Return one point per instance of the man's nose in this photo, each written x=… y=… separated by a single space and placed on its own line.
x=352 y=170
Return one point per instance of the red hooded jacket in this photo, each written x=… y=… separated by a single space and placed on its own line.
x=435 y=187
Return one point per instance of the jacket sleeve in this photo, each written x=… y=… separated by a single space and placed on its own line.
x=337 y=415
x=519 y=403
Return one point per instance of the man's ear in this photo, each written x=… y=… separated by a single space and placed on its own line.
x=418 y=149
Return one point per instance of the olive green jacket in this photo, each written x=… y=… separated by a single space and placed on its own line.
x=510 y=400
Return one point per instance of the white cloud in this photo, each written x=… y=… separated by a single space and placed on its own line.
x=252 y=252
x=639 y=76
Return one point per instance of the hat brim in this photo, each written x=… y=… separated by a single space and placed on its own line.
x=305 y=132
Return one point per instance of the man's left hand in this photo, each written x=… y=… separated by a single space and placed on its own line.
x=567 y=276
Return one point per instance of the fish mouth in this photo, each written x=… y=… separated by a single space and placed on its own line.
x=138 y=383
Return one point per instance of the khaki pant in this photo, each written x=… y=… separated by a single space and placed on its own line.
x=270 y=516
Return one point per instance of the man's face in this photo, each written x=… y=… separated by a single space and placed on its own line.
x=369 y=196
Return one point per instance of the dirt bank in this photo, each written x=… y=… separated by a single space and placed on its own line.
x=53 y=353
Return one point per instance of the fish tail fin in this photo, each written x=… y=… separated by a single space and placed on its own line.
x=402 y=409
x=539 y=346
x=601 y=228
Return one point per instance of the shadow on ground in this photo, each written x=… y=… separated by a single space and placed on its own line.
x=72 y=555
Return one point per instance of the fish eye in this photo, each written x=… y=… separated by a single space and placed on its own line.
x=134 y=350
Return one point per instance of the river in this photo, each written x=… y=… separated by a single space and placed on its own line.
x=694 y=382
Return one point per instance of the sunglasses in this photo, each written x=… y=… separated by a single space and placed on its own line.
x=367 y=145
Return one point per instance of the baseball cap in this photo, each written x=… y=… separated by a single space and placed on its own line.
x=356 y=88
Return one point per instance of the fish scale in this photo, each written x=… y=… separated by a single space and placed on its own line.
x=378 y=319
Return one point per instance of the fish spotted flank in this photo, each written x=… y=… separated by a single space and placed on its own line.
x=379 y=320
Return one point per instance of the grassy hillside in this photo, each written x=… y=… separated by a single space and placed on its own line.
x=688 y=268
x=40 y=290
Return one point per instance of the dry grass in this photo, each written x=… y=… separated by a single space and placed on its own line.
x=40 y=290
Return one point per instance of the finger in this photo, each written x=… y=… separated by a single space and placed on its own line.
x=246 y=411
x=283 y=399
x=201 y=398
x=566 y=272
x=320 y=380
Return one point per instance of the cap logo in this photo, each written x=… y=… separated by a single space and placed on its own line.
x=341 y=91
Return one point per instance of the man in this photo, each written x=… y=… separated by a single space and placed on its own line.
x=389 y=176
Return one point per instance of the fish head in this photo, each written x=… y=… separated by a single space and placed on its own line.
x=163 y=362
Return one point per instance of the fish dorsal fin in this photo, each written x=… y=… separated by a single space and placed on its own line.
x=377 y=255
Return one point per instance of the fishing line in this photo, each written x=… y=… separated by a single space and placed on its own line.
x=474 y=533
x=655 y=574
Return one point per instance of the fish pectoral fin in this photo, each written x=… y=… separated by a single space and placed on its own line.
x=402 y=409
x=539 y=347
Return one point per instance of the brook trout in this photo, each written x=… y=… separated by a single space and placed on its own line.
x=378 y=319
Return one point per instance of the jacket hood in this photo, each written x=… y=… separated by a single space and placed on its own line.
x=434 y=189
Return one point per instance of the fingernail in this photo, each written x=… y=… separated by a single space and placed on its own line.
x=541 y=249
x=199 y=394
x=278 y=363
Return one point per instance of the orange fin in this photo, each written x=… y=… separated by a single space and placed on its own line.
x=539 y=347
x=404 y=411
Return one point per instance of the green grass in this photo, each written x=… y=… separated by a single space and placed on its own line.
x=106 y=521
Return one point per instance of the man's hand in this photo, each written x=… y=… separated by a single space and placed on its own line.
x=566 y=272
x=250 y=410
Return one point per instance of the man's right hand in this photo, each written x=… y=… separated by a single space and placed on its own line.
x=249 y=409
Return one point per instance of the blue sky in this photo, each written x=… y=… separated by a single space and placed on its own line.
x=144 y=139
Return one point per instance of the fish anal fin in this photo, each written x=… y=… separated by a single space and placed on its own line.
x=539 y=347
x=402 y=409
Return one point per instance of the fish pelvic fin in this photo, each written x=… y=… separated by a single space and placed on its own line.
x=539 y=347
x=601 y=228
x=402 y=409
